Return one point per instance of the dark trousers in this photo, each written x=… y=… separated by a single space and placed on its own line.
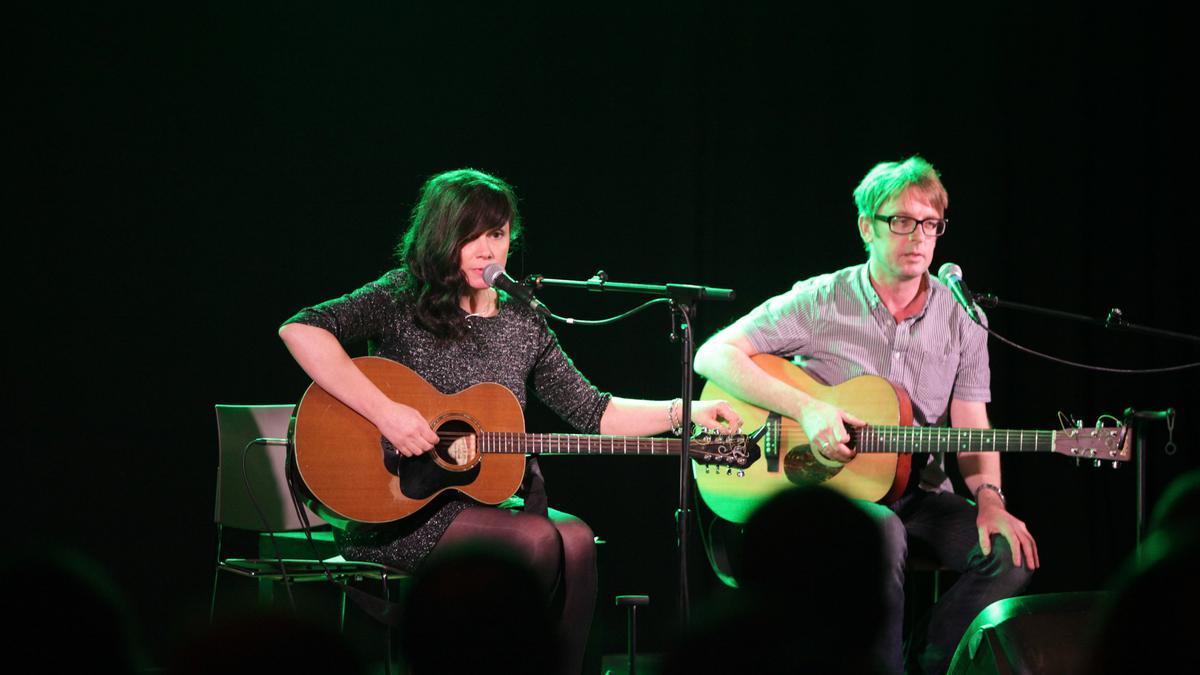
x=943 y=524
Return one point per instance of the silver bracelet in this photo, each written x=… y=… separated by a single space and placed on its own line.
x=676 y=427
x=994 y=488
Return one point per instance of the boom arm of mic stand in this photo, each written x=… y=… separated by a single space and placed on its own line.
x=600 y=283
x=1114 y=321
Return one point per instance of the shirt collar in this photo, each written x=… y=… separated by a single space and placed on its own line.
x=868 y=290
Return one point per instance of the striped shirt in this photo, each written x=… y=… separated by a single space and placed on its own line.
x=836 y=328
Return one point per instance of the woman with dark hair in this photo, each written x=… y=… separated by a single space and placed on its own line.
x=436 y=315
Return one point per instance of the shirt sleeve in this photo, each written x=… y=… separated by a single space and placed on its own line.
x=973 y=380
x=560 y=385
x=782 y=325
x=358 y=315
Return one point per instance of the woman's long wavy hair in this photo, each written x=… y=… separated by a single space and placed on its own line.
x=454 y=208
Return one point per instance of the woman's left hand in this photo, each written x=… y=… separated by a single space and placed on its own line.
x=716 y=415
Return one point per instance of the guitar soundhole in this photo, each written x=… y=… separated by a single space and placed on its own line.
x=456 y=445
x=801 y=467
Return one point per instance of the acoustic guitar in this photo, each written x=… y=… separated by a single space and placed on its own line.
x=881 y=469
x=356 y=474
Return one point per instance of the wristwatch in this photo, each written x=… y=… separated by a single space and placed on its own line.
x=994 y=488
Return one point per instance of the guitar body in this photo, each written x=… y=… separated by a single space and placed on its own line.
x=786 y=457
x=354 y=473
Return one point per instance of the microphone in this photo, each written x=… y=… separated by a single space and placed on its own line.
x=495 y=276
x=951 y=275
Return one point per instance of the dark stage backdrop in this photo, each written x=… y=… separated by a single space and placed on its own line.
x=188 y=178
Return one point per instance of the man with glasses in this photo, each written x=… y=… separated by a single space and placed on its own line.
x=889 y=317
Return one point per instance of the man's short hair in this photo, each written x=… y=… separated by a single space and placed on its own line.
x=889 y=179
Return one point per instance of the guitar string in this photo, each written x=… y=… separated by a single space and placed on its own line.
x=876 y=438
x=498 y=439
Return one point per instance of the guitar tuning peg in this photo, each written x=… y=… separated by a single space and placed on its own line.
x=742 y=474
x=729 y=471
x=1077 y=462
x=1097 y=463
x=1116 y=464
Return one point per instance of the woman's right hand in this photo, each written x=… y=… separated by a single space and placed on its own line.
x=406 y=429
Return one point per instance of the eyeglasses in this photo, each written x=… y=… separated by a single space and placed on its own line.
x=932 y=227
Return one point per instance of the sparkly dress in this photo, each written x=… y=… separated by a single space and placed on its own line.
x=514 y=348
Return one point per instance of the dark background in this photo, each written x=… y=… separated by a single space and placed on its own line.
x=188 y=178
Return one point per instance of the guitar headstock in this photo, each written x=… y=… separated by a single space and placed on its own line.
x=736 y=451
x=1111 y=444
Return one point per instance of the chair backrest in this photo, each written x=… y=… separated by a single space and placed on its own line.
x=256 y=434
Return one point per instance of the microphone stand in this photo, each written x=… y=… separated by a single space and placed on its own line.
x=1114 y=321
x=1136 y=419
x=683 y=300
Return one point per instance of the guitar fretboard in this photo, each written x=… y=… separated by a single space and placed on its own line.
x=574 y=444
x=894 y=439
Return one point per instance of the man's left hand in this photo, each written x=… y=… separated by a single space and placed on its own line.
x=993 y=518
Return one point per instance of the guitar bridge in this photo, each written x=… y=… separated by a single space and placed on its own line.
x=767 y=436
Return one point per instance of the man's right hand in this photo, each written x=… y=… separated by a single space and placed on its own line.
x=825 y=427
x=406 y=429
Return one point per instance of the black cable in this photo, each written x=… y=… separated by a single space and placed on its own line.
x=382 y=609
x=706 y=542
x=603 y=322
x=1102 y=369
x=302 y=516
x=287 y=582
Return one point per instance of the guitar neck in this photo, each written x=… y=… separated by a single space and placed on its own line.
x=907 y=440
x=503 y=442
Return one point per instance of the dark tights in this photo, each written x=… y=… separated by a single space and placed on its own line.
x=561 y=551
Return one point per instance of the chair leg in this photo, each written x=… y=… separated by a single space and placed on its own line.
x=387 y=627
x=266 y=593
x=212 y=604
x=342 y=612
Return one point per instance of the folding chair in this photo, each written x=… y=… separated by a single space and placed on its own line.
x=253 y=495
